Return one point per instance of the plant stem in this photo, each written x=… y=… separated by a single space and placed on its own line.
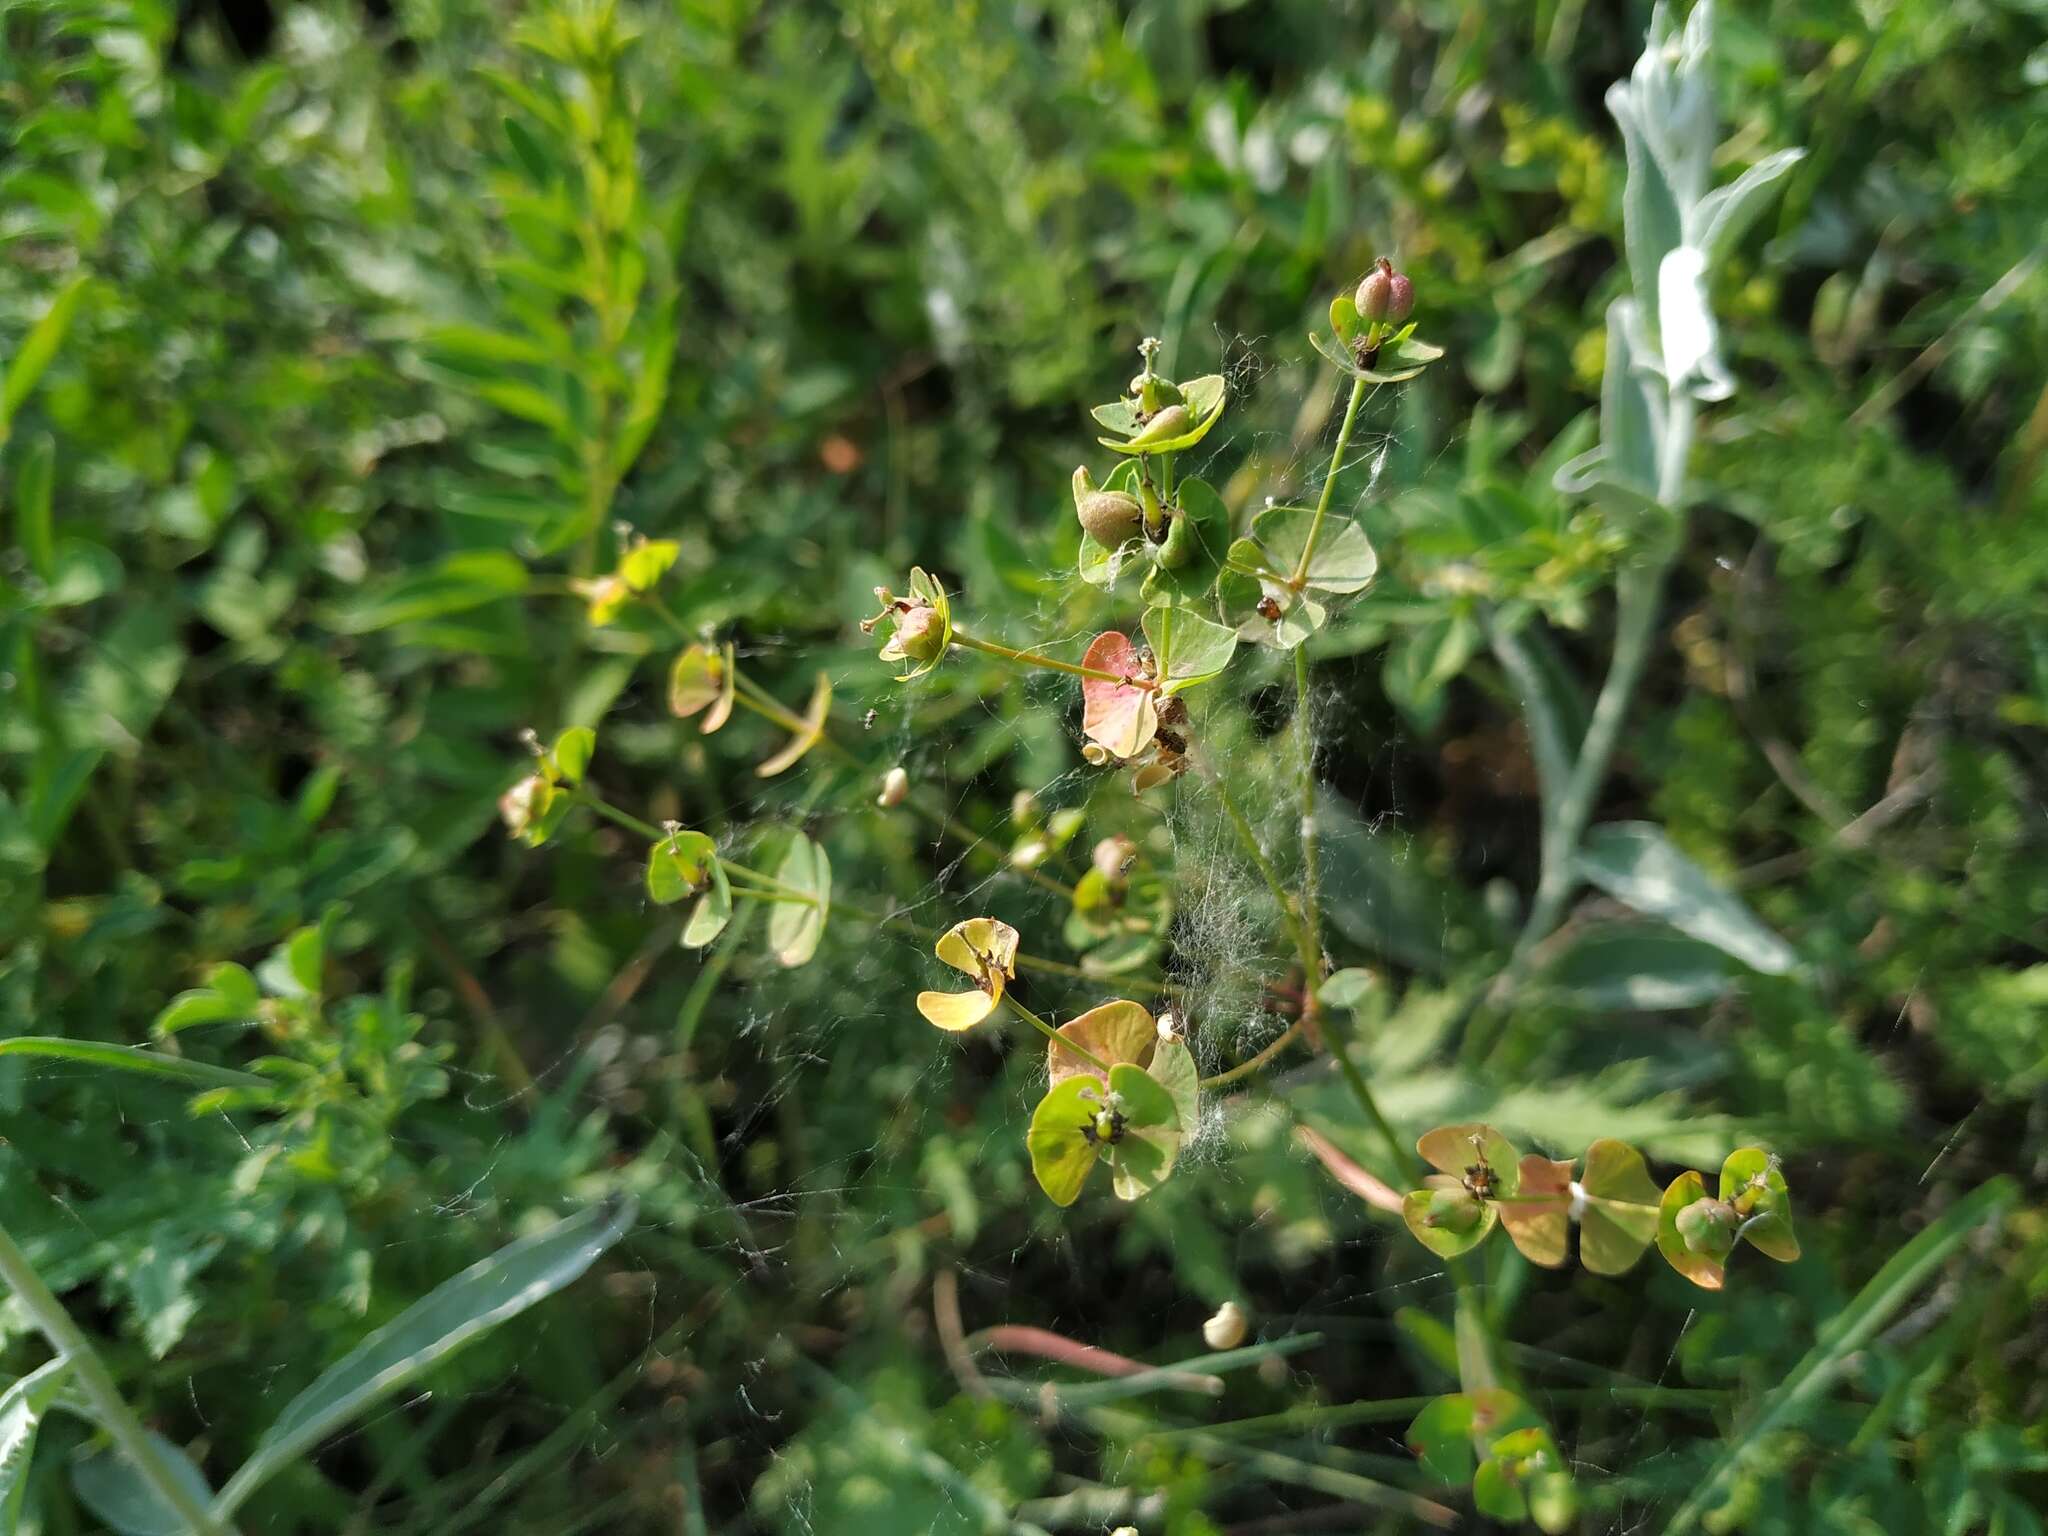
x=111 y=1409
x=1315 y=527
x=1246 y=1068
x=1034 y=659
x=1055 y=1036
x=1311 y=875
x=590 y=797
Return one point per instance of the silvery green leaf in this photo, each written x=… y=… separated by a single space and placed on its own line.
x=1685 y=325
x=109 y=1484
x=1634 y=862
x=21 y=1413
x=1725 y=213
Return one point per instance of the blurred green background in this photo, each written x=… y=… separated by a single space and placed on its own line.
x=339 y=340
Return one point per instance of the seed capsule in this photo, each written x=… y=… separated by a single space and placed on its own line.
x=1708 y=1227
x=1385 y=294
x=1170 y=423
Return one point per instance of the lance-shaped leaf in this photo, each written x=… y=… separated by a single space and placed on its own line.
x=1187 y=649
x=1202 y=399
x=21 y=1413
x=679 y=865
x=984 y=948
x=713 y=911
x=1701 y=1269
x=1538 y=1215
x=1114 y=1032
x=1120 y=716
x=808 y=733
x=794 y=927
x=1634 y=862
x=1618 y=1211
x=1752 y=1182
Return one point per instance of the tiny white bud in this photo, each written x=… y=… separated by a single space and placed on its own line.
x=1030 y=853
x=1226 y=1329
x=895 y=785
x=1578 y=1205
x=1169 y=1027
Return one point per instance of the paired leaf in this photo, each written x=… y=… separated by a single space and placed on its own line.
x=679 y=865
x=984 y=948
x=1120 y=1031
x=1187 y=649
x=1619 y=1215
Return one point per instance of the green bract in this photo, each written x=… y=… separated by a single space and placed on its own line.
x=1132 y=1122
x=1201 y=406
x=1378 y=354
x=1268 y=576
x=679 y=865
x=1696 y=1232
x=794 y=927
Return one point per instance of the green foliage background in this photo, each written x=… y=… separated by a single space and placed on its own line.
x=354 y=361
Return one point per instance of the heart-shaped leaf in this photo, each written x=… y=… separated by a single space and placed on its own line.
x=1121 y=717
x=1114 y=1032
x=1187 y=648
x=713 y=911
x=1619 y=1219
x=1342 y=562
x=1752 y=1182
x=679 y=865
x=1538 y=1214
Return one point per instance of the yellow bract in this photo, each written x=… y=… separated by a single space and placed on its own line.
x=984 y=948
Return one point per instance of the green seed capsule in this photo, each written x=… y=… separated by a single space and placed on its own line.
x=1110 y=517
x=1708 y=1227
x=1170 y=423
x=1181 y=542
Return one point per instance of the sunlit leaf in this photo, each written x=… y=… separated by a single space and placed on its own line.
x=1538 y=1214
x=22 y=1407
x=1188 y=648
x=1119 y=1031
x=1634 y=862
x=1121 y=717
x=1753 y=1183
x=808 y=734
x=1701 y=1270
x=1061 y=1152
x=1620 y=1215
x=679 y=865
x=794 y=928
x=425 y=1333
x=713 y=911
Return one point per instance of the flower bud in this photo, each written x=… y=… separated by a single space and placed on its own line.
x=1226 y=1329
x=1385 y=294
x=1113 y=855
x=895 y=785
x=524 y=803
x=919 y=636
x=1708 y=1228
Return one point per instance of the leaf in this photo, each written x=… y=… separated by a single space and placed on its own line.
x=1347 y=988
x=1753 y=1183
x=1685 y=322
x=37 y=348
x=1173 y=1068
x=809 y=732
x=983 y=948
x=679 y=865
x=1203 y=398
x=1115 y=1032
x=1620 y=1216
x=1636 y=967
x=1635 y=863
x=1725 y=214
x=1537 y=1215
x=794 y=928
x=454 y=584
x=1398 y=361
x=127 y=1058
x=425 y=1333
x=1440 y=1437
x=1344 y=560
x=532 y=158
x=1453 y=1149
x=110 y=1485
x=1198 y=540
x=573 y=750
x=1061 y=1155
x=1843 y=1338
x=1121 y=717
x=22 y=1407
x=1145 y=1156
x=34 y=479
x=713 y=911
x=1188 y=648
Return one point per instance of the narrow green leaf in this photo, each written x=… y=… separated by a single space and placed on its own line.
x=109 y=1485
x=34 y=476
x=21 y=1414
x=1634 y=862
x=128 y=1058
x=37 y=348
x=420 y=1337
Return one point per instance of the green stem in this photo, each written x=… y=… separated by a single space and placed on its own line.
x=1311 y=875
x=1034 y=659
x=108 y=1406
x=1248 y=1067
x=590 y=797
x=1055 y=1036
x=1315 y=527
x=1249 y=839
